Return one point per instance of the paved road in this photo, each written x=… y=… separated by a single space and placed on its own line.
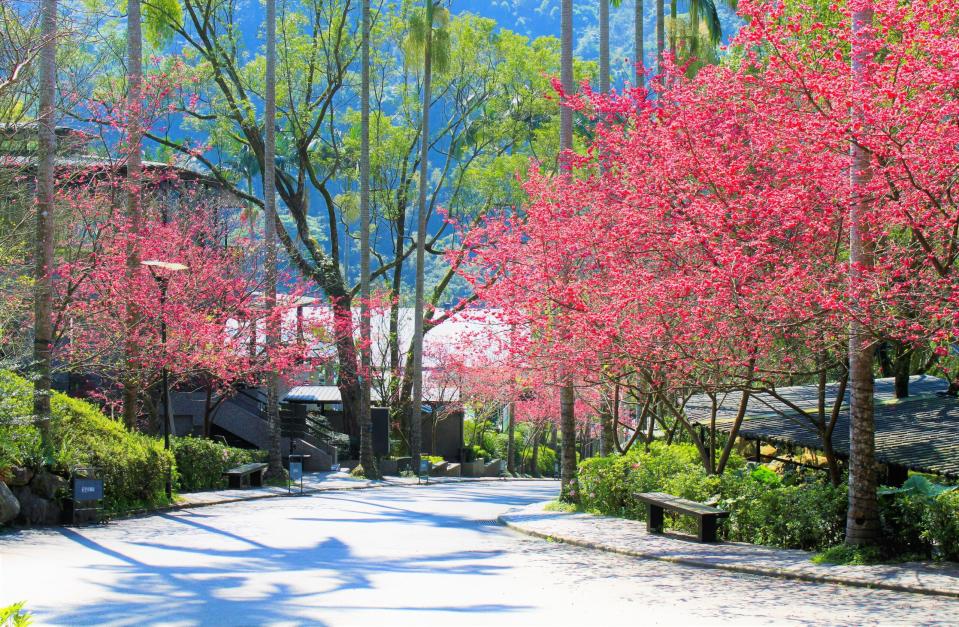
x=395 y=556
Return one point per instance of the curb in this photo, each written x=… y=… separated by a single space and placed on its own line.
x=778 y=573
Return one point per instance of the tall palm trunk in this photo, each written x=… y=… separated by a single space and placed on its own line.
x=131 y=391
x=43 y=295
x=417 y=404
x=638 y=42
x=660 y=35
x=673 y=15
x=604 y=46
x=269 y=237
x=366 y=358
x=862 y=521
x=568 y=489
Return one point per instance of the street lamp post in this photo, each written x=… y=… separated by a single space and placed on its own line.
x=162 y=280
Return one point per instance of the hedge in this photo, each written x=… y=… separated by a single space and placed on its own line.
x=201 y=463
x=134 y=466
x=798 y=511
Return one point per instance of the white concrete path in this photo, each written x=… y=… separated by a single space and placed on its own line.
x=396 y=556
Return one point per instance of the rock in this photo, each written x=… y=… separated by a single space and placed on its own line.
x=9 y=505
x=48 y=485
x=19 y=476
x=36 y=510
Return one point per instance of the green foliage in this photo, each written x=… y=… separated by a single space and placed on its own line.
x=810 y=516
x=608 y=483
x=765 y=476
x=915 y=517
x=560 y=506
x=133 y=466
x=850 y=555
x=796 y=511
x=433 y=459
x=943 y=524
x=14 y=616
x=545 y=460
x=201 y=463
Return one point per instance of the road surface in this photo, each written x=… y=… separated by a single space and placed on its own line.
x=396 y=556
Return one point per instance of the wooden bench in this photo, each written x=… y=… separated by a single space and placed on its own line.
x=706 y=516
x=249 y=474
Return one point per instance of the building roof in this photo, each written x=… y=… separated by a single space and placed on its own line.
x=920 y=432
x=331 y=394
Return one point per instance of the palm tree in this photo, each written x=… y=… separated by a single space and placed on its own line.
x=428 y=39
x=862 y=521
x=366 y=357
x=134 y=167
x=638 y=40
x=43 y=295
x=604 y=44
x=660 y=36
x=568 y=491
x=269 y=235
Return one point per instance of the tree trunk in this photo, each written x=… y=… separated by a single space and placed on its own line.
x=511 y=435
x=604 y=46
x=131 y=387
x=673 y=10
x=660 y=36
x=416 y=408
x=638 y=43
x=269 y=238
x=903 y=370
x=366 y=356
x=43 y=295
x=569 y=490
x=862 y=522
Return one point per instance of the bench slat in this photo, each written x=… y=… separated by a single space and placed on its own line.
x=246 y=469
x=674 y=503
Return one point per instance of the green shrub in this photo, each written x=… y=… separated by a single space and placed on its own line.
x=201 y=463
x=810 y=516
x=133 y=466
x=943 y=524
x=545 y=460
x=851 y=555
x=15 y=616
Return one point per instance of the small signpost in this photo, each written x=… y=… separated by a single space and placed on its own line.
x=424 y=471
x=296 y=472
x=86 y=491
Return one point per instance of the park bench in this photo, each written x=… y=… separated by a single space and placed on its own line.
x=249 y=474
x=706 y=516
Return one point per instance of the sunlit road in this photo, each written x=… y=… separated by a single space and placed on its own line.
x=395 y=556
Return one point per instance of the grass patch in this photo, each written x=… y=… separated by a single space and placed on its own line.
x=846 y=555
x=560 y=506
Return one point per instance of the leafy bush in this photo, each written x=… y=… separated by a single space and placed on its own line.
x=800 y=510
x=851 y=555
x=809 y=516
x=943 y=524
x=133 y=466
x=201 y=463
x=609 y=483
x=545 y=460
x=763 y=509
x=15 y=616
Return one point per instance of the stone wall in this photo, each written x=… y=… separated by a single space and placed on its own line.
x=30 y=499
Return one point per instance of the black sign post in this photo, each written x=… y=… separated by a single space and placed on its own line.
x=86 y=492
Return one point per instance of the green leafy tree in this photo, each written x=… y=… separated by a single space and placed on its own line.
x=428 y=40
